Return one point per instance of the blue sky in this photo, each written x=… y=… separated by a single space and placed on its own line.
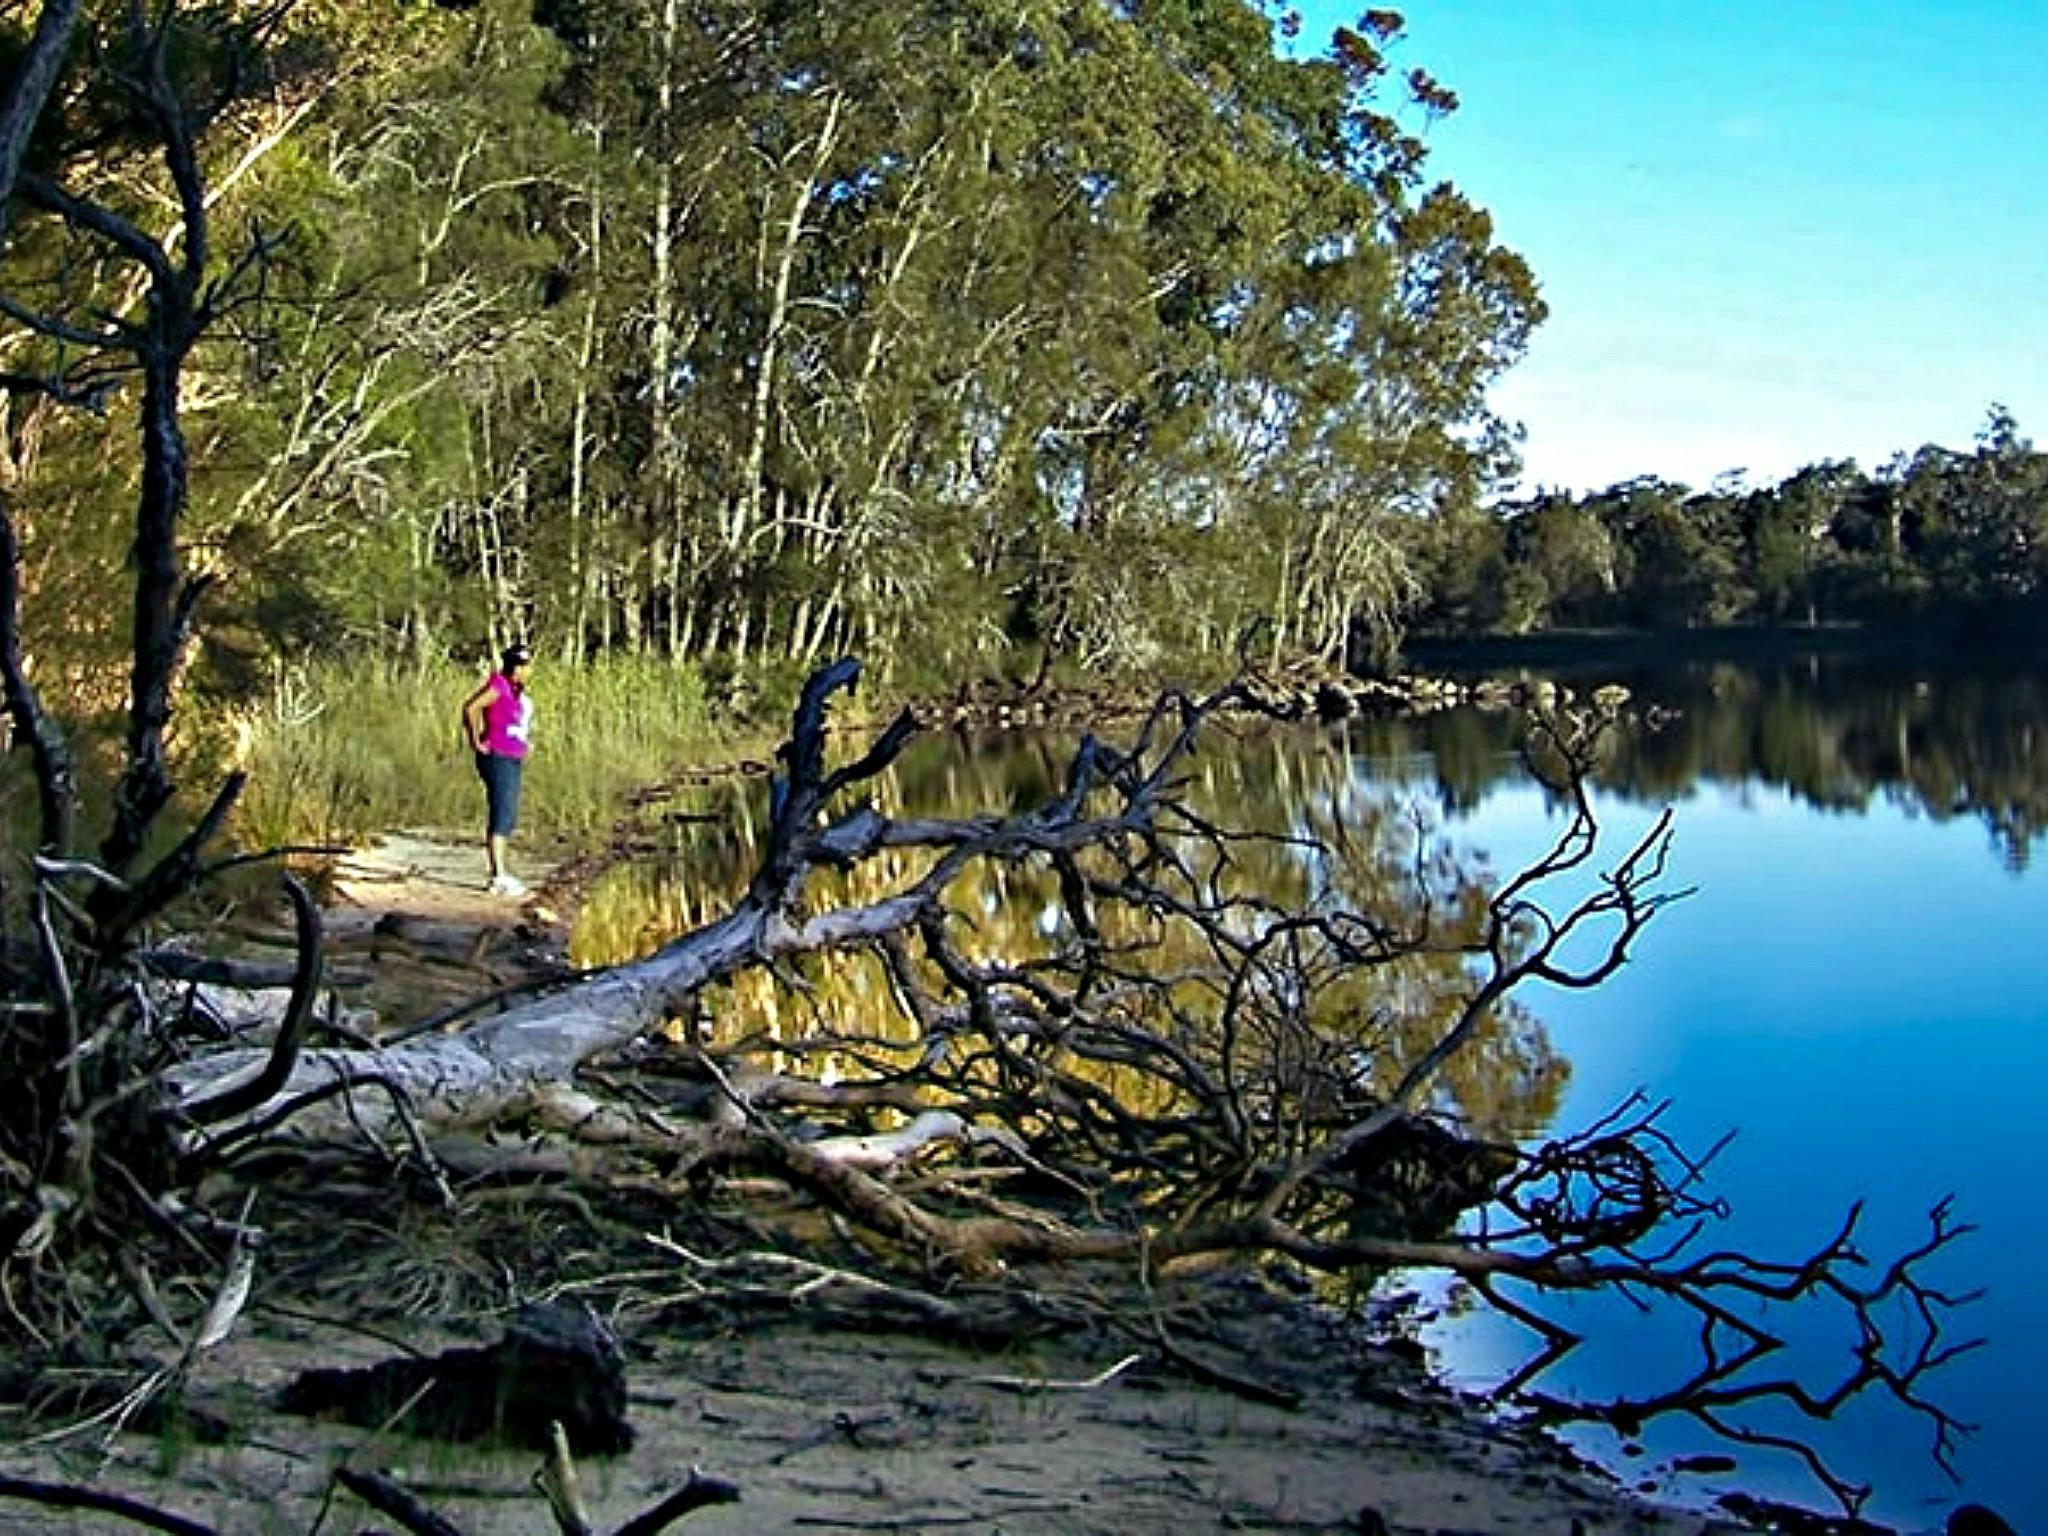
x=1769 y=233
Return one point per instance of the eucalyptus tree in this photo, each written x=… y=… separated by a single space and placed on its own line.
x=127 y=272
x=979 y=305
x=33 y=74
x=1976 y=523
x=1787 y=537
x=122 y=269
x=1354 y=337
x=777 y=331
x=379 y=443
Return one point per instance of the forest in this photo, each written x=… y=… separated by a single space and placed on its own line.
x=1936 y=537
x=751 y=332
x=982 y=341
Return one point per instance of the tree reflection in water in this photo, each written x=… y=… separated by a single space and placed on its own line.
x=1235 y=1015
x=1335 y=839
x=1840 y=735
x=1944 y=742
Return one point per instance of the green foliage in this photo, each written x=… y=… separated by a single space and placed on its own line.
x=613 y=725
x=1937 y=534
x=971 y=338
x=339 y=749
x=778 y=333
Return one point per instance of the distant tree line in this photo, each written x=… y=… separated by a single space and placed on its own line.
x=1934 y=534
x=955 y=334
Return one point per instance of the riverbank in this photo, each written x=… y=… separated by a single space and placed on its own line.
x=1290 y=1348
x=1255 y=1410
x=831 y=1429
x=827 y=1414
x=347 y=755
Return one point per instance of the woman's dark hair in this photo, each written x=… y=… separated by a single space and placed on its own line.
x=515 y=656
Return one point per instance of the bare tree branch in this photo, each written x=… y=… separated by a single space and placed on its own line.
x=27 y=93
x=64 y=1496
x=291 y=1032
x=56 y=780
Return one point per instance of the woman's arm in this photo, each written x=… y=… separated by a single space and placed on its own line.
x=476 y=717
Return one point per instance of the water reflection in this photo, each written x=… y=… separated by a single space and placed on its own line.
x=1855 y=991
x=1838 y=734
x=1853 y=965
x=1330 y=839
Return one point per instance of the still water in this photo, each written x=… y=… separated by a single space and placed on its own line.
x=1854 y=989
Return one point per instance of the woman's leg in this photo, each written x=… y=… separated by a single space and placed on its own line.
x=501 y=776
x=497 y=813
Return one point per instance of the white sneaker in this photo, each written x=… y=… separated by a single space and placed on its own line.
x=507 y=885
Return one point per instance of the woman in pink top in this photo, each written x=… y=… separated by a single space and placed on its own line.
x=498 y=720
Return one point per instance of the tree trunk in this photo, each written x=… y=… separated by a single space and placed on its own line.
x=160 y=604
x=28 y=91
x=582 y=541
x=747 y=507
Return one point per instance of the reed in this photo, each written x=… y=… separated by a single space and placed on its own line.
x=335 y=752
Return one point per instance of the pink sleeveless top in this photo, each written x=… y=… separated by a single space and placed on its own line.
x=508 y=718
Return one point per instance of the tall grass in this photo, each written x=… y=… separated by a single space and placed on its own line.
x=336 y=752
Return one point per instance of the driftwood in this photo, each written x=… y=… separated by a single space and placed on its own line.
x=555 y=1369
x=1160 y=1080
x=392 y=1500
